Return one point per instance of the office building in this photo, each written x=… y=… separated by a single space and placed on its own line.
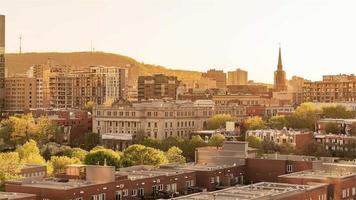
x=237 y=77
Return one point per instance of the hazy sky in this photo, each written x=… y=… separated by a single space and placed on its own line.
x=317 y=36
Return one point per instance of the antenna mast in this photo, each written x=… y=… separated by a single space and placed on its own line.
x=20 y=40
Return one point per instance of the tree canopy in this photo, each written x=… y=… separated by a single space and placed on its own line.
x=102 y=157
x=141 y=155
x=219 y=121
x=254 y=123
x=216 y=140
x=174 y=155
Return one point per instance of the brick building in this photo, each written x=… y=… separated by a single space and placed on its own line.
x=334 y=142
x=22 y=93
x=333 y=88
x=295 y=138
x=340 y=177
x=346 y=125
x=158 y=86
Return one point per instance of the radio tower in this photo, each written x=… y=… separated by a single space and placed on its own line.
x=20 y=39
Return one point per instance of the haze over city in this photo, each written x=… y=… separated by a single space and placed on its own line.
x=177 y=99
x=317 y=37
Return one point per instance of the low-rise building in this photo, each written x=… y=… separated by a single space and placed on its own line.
x=341 y=178
x=16 y=196
x=265 y=190
x=346 y=125
x=295 y=138
x=333 y=142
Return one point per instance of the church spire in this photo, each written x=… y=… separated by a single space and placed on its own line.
x=279 y=66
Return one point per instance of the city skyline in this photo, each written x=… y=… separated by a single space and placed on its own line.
x=239 y=35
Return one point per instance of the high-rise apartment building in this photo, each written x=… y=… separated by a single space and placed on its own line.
x=21 y=93
x=2 y=62
x=280 y=75
x=333 y=88
x=237 y=77
x=59 y=86
x=217 y=75
x=158 y=86
x=99 y=84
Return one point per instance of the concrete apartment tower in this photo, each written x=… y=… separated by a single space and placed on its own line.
x=2 y=62
x=280 y=75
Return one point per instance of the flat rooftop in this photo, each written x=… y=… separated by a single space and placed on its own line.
x=262 y=190
x=52 y=183
x=144 y=171
x=320 y=174
x=14 y=195
x=201 y=167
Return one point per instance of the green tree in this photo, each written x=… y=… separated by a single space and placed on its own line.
x=315 y=149
x=337 y=111
x=216 y=140
x=29 y=153
x=140 y=155
x=76 y=153
x=89 y=106
x=268 y=146
x=254 y=142
x=254 y=123
x=219 y=121
x=9 y=167
x=102 y=157
x=21 y=128
x=332 y=128
x=91 y=140
x=45 y=129
x=174 y=155
x=59 y=163
x=278 y=122
x=305 y=116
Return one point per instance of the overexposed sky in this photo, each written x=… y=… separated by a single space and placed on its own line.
x=317 y=36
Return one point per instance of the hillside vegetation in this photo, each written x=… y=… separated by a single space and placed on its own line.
x=19 y=63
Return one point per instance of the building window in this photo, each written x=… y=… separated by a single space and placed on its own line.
x=102 y=196
x=212 y=180
x=94 y=197
x=141 y=192
x=289 y=168
x=125 y=192
x=134 y=193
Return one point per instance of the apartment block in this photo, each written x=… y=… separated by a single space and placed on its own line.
x=158 y=86
x=333 y=142
x=237 y=77
x=22 y=93
x=333 y=88
x=218 y=76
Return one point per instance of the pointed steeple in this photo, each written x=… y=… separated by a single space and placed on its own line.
x=280 y=66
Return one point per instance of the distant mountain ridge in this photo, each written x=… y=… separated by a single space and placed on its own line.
x=20 y=63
